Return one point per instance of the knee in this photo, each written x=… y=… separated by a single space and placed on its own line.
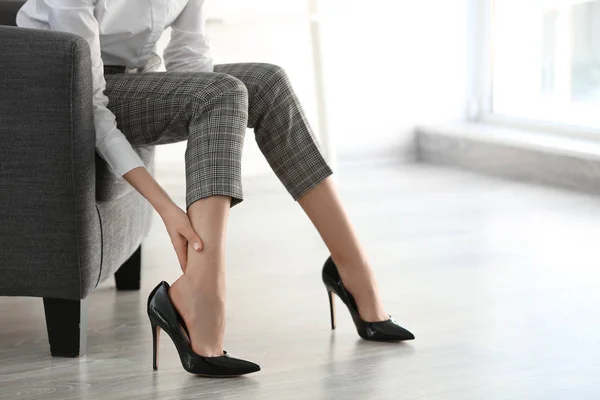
x=274 y=76
x=225 y=88
x=223 y=103
x=227 y=84
x=272 y=70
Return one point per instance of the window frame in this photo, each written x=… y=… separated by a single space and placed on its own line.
x=484 y=57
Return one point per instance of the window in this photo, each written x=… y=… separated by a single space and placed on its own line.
x=546 y=61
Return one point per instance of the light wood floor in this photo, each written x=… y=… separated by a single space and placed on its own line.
x=498 y=280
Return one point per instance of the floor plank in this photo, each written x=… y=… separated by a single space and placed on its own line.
x=498 y=280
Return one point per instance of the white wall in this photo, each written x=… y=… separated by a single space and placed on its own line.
x=388 y=64
x=392 y=64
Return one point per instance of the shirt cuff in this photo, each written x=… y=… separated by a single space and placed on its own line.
x=119 y=155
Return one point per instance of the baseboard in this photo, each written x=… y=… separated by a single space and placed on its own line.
x=565 y=162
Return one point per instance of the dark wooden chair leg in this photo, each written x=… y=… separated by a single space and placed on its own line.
x=66 y=321
x=128 y=275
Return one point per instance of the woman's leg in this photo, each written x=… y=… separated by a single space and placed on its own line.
x=286 y=139
x=210 y=111
x=199 y=294
x=323 y=206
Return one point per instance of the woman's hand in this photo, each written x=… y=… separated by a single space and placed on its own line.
x=175 y=219
x=181 y=232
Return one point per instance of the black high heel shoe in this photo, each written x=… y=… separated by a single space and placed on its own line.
x=382 y=331
x=163 y=315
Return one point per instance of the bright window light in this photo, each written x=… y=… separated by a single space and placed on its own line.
x=546 y=60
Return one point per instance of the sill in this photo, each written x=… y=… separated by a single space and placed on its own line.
x=515 y=153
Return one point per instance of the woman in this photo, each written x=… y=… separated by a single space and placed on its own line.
x=210 y=107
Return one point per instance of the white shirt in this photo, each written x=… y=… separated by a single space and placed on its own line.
x=124 y=32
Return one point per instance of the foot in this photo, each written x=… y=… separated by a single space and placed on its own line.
x=359 y=280
x=202 y=308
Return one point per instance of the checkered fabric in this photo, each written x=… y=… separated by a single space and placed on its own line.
x=211 y=111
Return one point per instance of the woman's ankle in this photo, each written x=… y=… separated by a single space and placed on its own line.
x=211 y=290
x=359 y=280
x=204 y=315
x=354 y=271
x=353 y=262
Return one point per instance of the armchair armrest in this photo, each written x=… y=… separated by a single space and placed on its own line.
x=50 y=243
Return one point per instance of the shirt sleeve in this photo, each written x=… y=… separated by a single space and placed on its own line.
x=77 y=16
x=188 y=49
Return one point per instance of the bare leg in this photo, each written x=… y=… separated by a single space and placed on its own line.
x=199 y=294
x=324 y=208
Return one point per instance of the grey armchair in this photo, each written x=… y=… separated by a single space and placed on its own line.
x=66 y=223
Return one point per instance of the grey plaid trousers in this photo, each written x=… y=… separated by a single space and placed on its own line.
x=211 y=111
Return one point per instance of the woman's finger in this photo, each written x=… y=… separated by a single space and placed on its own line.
x=192 y=238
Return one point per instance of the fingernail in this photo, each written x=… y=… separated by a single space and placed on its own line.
x=197 y=246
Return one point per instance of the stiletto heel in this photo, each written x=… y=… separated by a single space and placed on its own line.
x=155 y=342
x=331 y=308
x=381 y=331
x=163 y=315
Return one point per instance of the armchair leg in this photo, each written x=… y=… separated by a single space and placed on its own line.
x=66 y=321
x=128 y=275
